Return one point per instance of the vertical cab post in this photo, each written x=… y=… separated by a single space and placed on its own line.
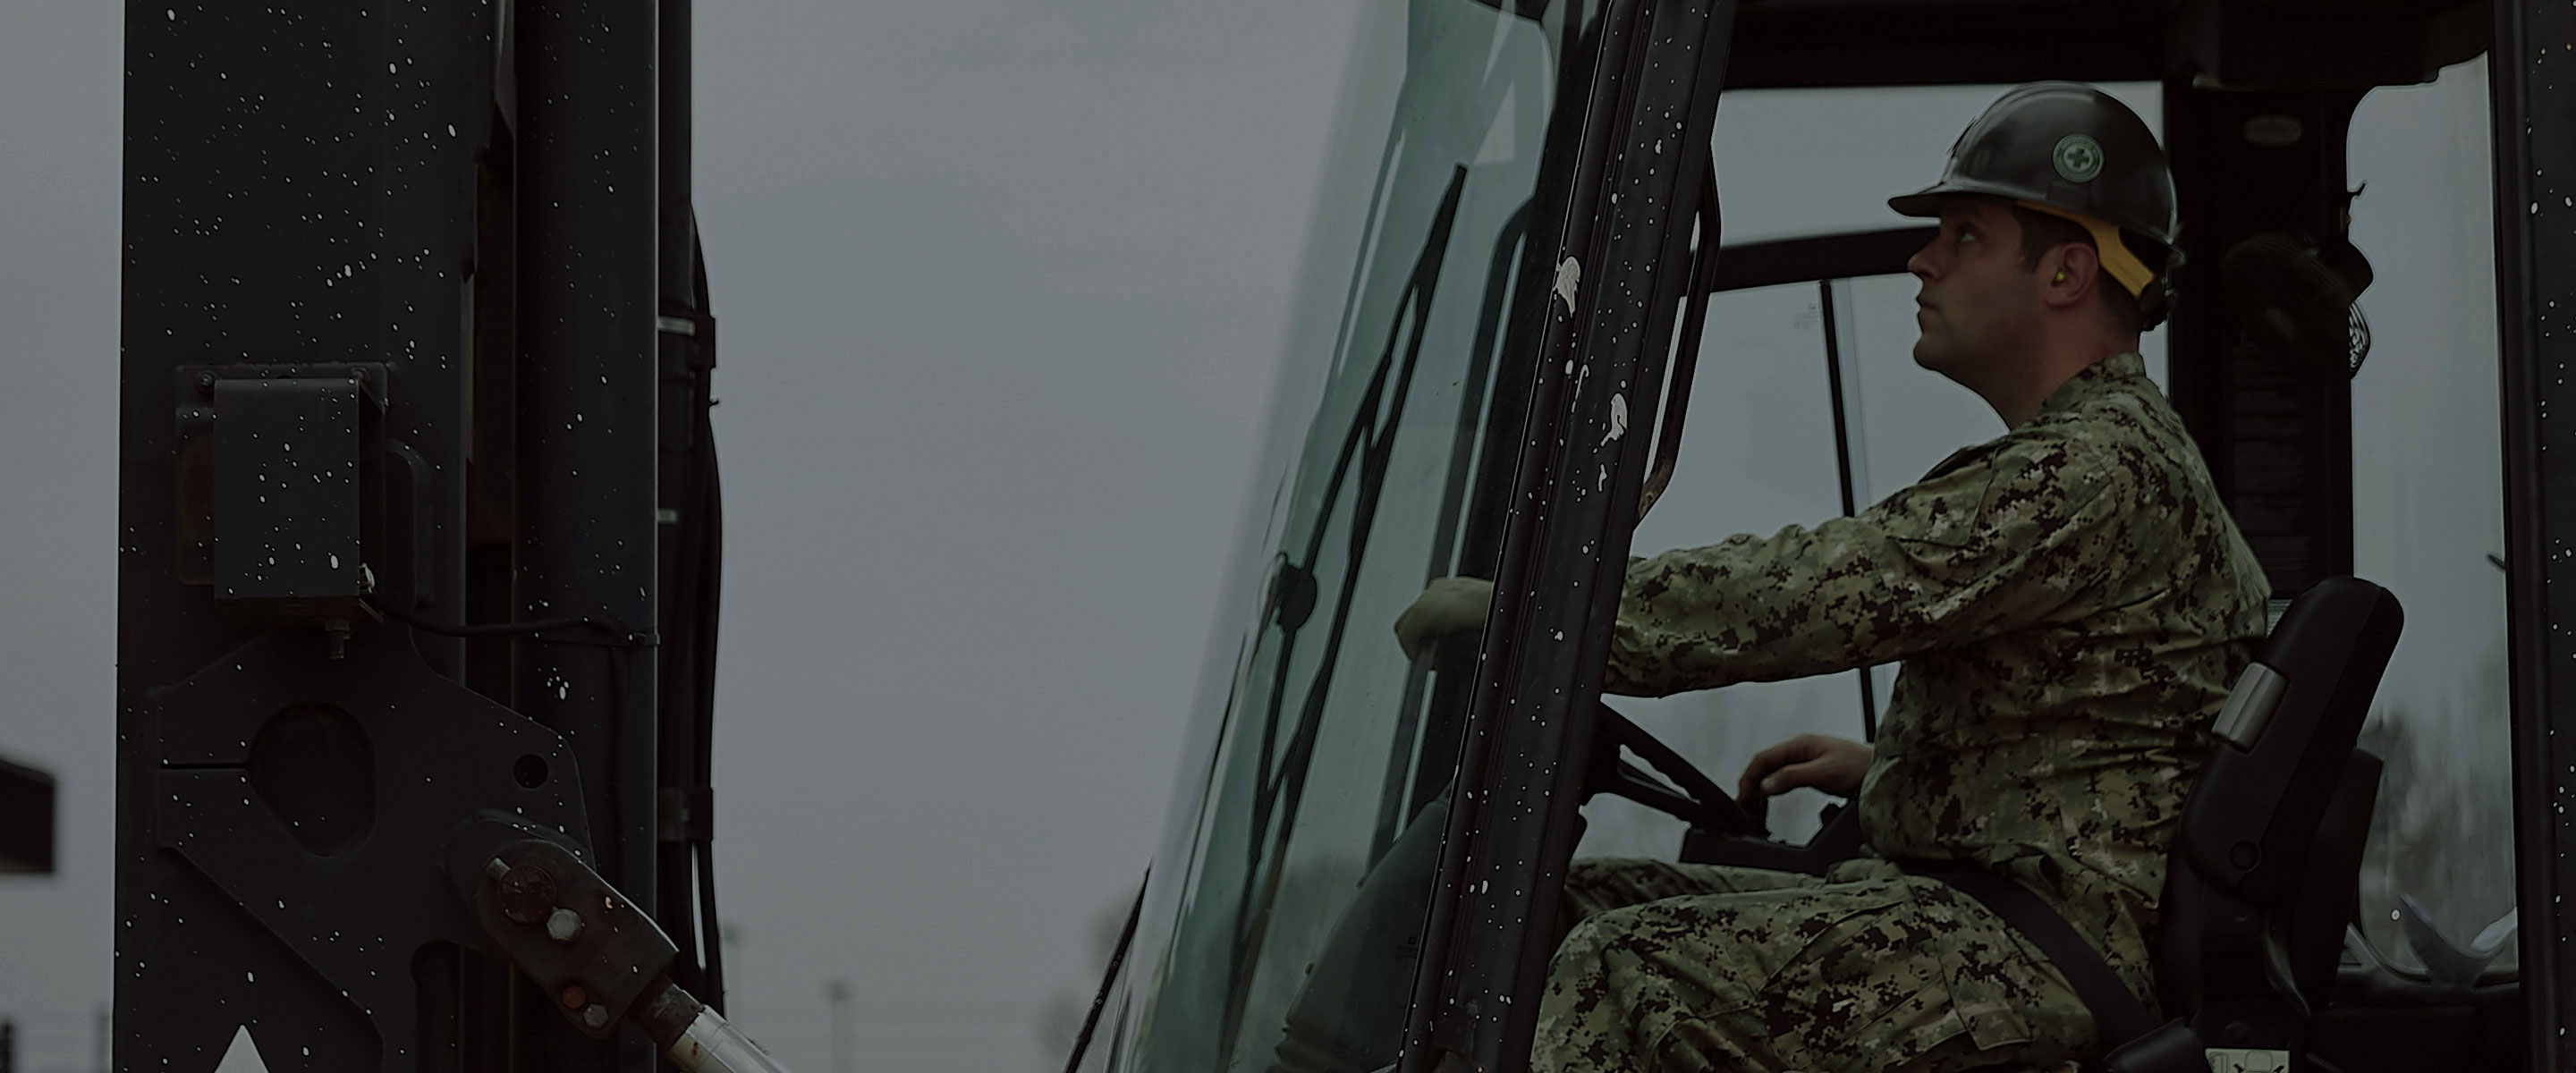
x=1612 y=302
x=2534 y=116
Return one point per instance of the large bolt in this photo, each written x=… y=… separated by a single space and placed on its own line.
x=573 y=996
x=2244 y=855
x=563 y=925
x=527 y=894
x=595 y=1016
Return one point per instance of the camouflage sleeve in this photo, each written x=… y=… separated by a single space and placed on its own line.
x=1999 y=536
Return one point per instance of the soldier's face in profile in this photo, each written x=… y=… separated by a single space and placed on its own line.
x=1977 y=302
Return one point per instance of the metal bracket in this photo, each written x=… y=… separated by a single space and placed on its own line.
x=696 y=325
x=319 y=797
x=280 y=485
x=2247 y=1060
x=687 y=814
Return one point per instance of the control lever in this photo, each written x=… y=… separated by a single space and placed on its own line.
x=581 y=941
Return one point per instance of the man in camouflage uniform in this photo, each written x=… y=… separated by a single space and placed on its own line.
x=2071 y=604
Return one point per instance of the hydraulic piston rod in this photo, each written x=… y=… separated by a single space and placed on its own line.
x=579 y=939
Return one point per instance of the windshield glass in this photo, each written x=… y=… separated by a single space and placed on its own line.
x=1293 y=877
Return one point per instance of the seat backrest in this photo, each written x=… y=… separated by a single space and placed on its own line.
x=2286 y=733
x=2262 y=876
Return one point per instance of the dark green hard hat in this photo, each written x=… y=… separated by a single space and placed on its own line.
x=2068 y=149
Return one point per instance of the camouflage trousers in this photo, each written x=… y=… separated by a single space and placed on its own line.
x=1671 y=967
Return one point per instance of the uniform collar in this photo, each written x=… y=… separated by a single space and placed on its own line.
x=2093 y=380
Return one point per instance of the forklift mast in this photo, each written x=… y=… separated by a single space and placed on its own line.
x=419 y=529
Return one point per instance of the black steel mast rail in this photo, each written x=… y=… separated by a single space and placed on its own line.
x=588 y=420
x=690 y=517
x=1843 y=466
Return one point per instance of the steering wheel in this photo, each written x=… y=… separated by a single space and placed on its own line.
x=1699 y=801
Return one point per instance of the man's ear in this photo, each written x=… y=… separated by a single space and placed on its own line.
x=2068 y=275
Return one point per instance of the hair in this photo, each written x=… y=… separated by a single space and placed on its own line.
x=2041 y=232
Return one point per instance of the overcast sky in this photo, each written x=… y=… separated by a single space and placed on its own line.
x=1002 y=286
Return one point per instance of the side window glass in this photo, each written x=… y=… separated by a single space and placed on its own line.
x=1759 y=453
x=1909 y=419
x=2428 y=512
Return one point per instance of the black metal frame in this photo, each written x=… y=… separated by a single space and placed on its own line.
x=1818 y=257
x=468 y=227
x=2534 y=115
x=1490 y=490
x=1784 y=44
x=1593 y=406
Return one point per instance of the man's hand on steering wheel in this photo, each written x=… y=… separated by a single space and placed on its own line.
x=1833 y=765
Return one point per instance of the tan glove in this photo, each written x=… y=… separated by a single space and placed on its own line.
x=1447 y=606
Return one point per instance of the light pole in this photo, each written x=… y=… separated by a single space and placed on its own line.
x=837 y=992
x=733 y=944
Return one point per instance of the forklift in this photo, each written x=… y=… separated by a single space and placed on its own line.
x=420 y=528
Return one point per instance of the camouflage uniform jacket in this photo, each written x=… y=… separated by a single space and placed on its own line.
x=2071 y=604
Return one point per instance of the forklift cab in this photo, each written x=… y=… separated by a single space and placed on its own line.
x=1572 y=293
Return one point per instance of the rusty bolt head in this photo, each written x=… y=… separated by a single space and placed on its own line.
x=573 y=996
x=595 y=1016
x=527 y=894
x=563 y=925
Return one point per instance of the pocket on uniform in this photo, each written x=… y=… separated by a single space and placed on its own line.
x=1992 y=982
x=1865 y=986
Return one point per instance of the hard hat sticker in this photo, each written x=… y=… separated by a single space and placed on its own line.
x=2078 y=157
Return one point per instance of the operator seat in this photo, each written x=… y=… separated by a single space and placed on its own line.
x=2262 y=878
